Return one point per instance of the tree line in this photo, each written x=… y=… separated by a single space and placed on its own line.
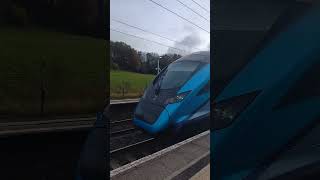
x=124 y=57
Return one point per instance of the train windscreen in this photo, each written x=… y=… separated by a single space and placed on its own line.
x=177 y=74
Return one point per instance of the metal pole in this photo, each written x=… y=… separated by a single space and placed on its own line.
x=158 y=66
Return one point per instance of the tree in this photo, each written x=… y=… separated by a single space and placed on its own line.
x=124 y=57
x=152 y=63
x=168 y=59
x=134 y=61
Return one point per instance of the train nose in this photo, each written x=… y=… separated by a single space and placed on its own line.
x=151 y=117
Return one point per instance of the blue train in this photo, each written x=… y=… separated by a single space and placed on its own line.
x=266 y=118
x=178 y=96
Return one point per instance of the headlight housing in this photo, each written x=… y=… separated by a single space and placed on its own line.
x=178 y=98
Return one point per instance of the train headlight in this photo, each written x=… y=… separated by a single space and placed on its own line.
x=224 y=112
x=177 y=98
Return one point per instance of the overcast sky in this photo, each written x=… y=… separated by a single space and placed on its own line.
x=148 y=16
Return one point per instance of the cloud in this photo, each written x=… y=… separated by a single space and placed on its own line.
x=189 y=44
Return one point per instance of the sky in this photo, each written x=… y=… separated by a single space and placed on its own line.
x=181 y=36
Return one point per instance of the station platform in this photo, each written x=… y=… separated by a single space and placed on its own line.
x=203 y=174
x=184 y=160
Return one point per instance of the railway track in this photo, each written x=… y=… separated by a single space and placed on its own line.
x=121 y=126
x=124 y=101
x=120 y=110
x=29 y=126
x=129 y=147
x=128 y=144
x=16 y=128
x=132 y=145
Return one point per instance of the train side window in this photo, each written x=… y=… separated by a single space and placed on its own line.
x=307 y=87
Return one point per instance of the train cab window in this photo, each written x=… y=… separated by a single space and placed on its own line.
x=159 y=75
x=178 y=73
x=200 y=56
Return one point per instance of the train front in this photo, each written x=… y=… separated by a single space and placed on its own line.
x=176 y=95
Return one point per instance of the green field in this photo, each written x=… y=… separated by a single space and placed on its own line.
x=128 y=84
x=72 y=68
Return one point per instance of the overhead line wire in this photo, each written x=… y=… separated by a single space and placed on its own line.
x=193 y=10
x=151 y=33
x=179 y=16
x=146 y=39
x=200 y=6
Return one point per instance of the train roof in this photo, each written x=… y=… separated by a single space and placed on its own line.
x=201 y=56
